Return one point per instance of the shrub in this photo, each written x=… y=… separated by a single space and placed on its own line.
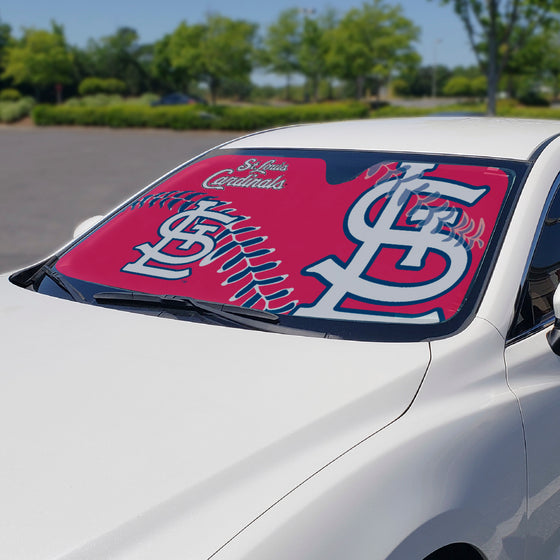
x=506 y=104
x=533 y=99
x=252 y=118
x=12 y=111
x=457 y=86
x=91 y=86
x=396 y=111
x=441 y=110
x=10 y=94
x=144 y=99
x=192 y=117
x=400 y=87
x=530 y=112
x=106 y=100
x=479 y=86
x=97 y=100
x=119 y=116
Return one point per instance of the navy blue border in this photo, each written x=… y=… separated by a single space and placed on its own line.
x=349 y=164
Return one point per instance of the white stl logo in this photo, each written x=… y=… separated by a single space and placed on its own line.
x=350 y=278
x=192 y=228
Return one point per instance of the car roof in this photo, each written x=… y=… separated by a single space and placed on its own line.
x=471 y=136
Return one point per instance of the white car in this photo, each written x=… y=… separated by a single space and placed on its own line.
x=322 y=342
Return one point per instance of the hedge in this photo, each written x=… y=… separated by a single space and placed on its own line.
x=91 y=86
x=195 y=116
x=106 y=100
x=530 y=112
x=12 y=111
x=506 y=108
x=10 y=94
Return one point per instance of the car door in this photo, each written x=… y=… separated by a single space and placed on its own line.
x=533 y=371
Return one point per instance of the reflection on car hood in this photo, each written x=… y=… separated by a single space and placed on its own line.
x=131 y=436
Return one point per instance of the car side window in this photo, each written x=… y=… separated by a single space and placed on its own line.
x=535 y=304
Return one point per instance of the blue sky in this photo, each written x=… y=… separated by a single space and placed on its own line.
x=442 y=33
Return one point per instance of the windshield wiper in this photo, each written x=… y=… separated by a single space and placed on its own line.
x=181 y=302
x=61 y=282
x=256 y=319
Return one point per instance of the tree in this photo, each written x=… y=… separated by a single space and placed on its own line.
x=463 y=86
x=168 y=68
x=313 y=48
x=537 y=64
x=479 y=86
x=178 y=55
x=497 y=30
x=281 y=46
x=418 y=81
x=457 y=86
x=121 y=56
x=5 y=41
x=550 y=61
x=94 y=86
x=370 y=43
x=41 y=58
x=226 y=51
x=219 y=49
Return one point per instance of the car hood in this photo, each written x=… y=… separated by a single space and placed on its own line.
x=129 y=436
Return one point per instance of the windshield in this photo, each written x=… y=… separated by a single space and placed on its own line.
x=340 y=241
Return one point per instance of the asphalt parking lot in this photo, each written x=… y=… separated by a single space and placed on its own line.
x=53 y=178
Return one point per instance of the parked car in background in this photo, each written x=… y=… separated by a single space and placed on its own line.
x=321 y=342
x=178 y=99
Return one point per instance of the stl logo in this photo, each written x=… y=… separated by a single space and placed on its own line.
x=424 y=234
x=193 y=228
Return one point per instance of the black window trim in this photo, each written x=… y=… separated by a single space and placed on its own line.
x=548 y=320
x=370 y=331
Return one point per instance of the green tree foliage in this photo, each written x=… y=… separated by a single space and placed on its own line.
x=10 y=94
x=313 y=48
x=226 y=51
x=167 y=68
x=538 y=63
x=497 y=30
x=220 y=49
x=120 y=56
x=180 y=53
x=417 y=81
x=92 y=86
x=479 y=86
x=41 y=58
x=370 y=43
x=5 y=36
x=281 y=46
x=457 y=86
x=550 y=61
x=461 y=86
x=5 y=41
x=297 y=44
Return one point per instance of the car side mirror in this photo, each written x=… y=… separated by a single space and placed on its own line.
x=83 y=226
x=554 y=335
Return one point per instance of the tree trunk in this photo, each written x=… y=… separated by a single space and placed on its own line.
x=492 y=60
x=214 y=83
x=58 y=91
x=330 y=95
x=315 y=89
x=492 y=87
x=510 y=86
x=360 y=83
